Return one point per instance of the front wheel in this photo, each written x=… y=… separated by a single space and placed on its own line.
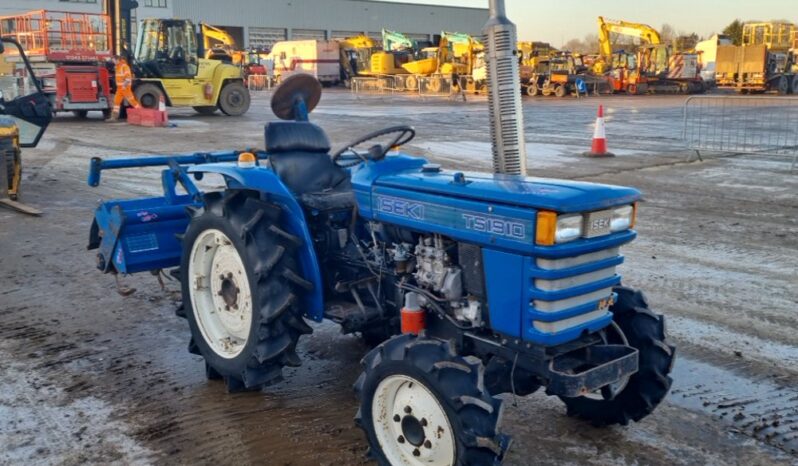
x=234 y=99
x=637 y=396
x=422 y=404
x=149 y=95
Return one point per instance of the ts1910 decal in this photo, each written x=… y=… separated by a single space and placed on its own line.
x=495 y=226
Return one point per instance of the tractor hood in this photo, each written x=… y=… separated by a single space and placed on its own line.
x=536 y=193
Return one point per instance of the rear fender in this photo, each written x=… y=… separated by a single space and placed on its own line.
x=266 y=182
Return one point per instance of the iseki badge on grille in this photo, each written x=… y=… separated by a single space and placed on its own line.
x=598 y=223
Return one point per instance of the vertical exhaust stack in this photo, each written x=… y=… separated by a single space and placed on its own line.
x=504 y=98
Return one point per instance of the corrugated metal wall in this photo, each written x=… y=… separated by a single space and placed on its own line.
x=333 y=15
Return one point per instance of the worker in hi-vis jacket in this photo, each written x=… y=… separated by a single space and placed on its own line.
x=124 y=87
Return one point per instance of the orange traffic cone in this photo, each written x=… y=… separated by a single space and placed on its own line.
x=599 y=146
x=162 y=110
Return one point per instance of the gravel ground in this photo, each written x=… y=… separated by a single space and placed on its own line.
x=90 y=377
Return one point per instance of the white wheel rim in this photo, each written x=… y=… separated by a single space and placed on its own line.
x=411 y=425
x=221 y=299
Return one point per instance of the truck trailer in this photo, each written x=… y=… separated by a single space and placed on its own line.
x=756 y=69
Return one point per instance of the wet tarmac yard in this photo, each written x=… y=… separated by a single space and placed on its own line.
x=90 y=377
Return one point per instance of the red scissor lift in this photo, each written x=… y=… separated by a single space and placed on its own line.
x=69 y=52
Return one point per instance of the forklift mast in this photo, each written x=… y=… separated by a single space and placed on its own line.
x=121 y=14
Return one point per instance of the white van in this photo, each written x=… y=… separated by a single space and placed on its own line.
x=319 y=58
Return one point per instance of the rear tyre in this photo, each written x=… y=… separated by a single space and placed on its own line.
x=13 y=160
x=240 y=290
x=411 y=83
x=422 y=404
x=206 y=110
x=234 y=99
x=783 y=86
x=795 y=84
x=149 y=95
x=435 y=85
x=561 y=91
x=644 y=390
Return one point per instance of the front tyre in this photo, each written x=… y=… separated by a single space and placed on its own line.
x=149 y=95
x=240 y=290
x=638 y=396
x=422 y=404
x=234 y=99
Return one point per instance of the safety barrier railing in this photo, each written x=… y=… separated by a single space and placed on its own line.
x=60 y=36
x=742 y=125
x=384 y=83
x=435 y=86
x=259 y=82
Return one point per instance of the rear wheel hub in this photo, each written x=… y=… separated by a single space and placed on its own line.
x=220 y=295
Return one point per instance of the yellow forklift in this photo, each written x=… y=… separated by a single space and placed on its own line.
x=25 y=112
x=169 y=62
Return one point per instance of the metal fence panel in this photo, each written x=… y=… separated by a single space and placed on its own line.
x=435 y=86
x=372 y=84
x=407 y=83
x=738 y=124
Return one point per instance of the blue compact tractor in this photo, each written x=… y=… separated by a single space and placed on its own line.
x=468 y=285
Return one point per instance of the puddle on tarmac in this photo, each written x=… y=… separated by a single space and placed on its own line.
x=763 y=409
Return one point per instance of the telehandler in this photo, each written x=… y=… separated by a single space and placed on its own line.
x=470 y=284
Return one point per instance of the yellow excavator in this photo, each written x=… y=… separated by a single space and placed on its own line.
x=362 y=56
x=655 y=67
x=457 y=56
x=220 y=45
x=356 y=54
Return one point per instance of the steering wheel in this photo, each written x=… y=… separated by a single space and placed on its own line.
x=377 y=151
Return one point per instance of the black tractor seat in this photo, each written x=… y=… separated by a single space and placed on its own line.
x=299 y=155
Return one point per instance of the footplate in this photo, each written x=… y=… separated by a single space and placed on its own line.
x=585 y=370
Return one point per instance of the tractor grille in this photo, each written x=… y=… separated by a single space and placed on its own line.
x=566 y=295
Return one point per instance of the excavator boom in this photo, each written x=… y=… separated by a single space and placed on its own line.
x=644 y=32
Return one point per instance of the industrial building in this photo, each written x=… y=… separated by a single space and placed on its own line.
x=255 y=23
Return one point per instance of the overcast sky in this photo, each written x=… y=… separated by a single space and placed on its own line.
x=560 y=20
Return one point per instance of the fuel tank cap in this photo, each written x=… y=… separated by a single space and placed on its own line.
x=431 y=168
